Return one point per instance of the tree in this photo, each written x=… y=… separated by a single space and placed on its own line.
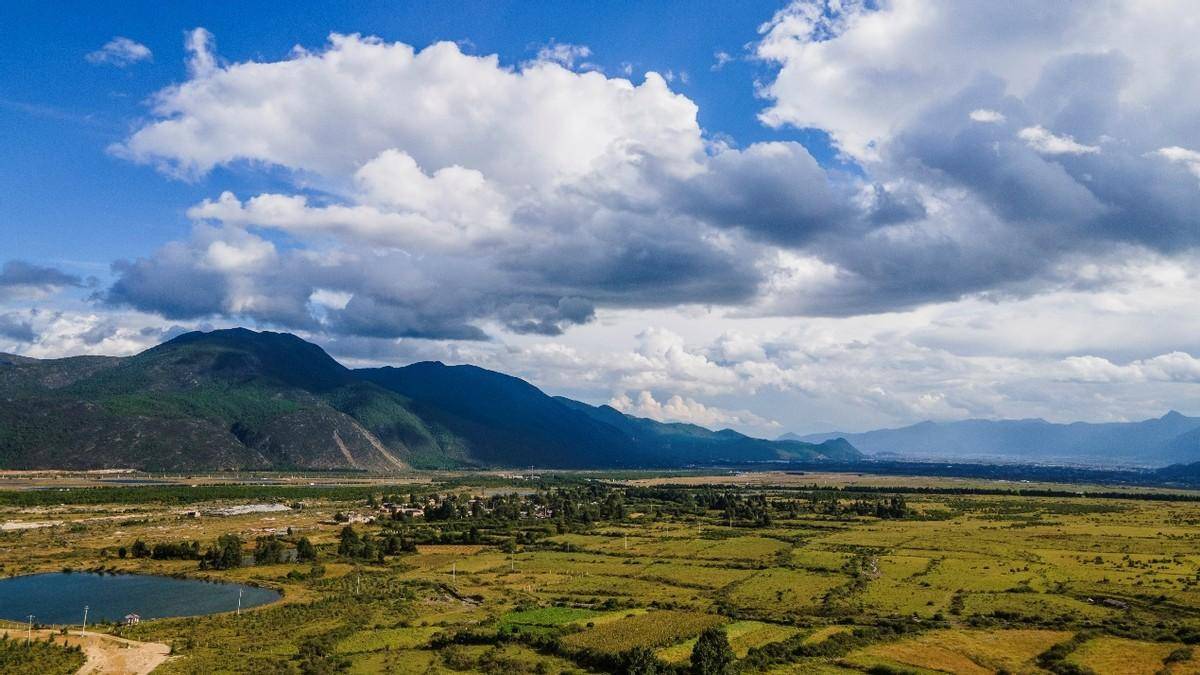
x=226 y=554
x=639 y=661
x=268 y=551
x=349 y=545
x=305 y=551
x=712 y=654
x=140 y=549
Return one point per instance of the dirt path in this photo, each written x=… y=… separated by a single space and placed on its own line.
x=107 y=654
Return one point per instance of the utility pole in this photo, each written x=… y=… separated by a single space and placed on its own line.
x=453 y=572
x=239 y=609
x=85 y=610
x=358 y=584
x=626 y=541
x=29 y=633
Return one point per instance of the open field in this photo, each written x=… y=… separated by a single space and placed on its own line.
x=573 y=574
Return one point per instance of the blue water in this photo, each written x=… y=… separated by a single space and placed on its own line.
x=59 y=598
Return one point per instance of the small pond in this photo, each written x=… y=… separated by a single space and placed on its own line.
x=59 y=597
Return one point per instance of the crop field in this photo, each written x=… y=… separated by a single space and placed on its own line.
x=574 y=574
x=742 y=635
x=652 y=629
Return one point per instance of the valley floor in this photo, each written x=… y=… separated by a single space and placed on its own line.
x=800 y=577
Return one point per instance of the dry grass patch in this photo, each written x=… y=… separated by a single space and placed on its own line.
x=1119 y=656
x=974 y=652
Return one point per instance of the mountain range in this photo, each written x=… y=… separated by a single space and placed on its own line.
x=1173 y=438
x=240 y=399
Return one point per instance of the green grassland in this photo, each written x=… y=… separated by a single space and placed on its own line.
x=798 y=580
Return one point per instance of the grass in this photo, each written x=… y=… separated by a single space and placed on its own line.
x=651 y=630
x=545 y=617
x=780 y=591
x=971 y=652
x=1120 y=656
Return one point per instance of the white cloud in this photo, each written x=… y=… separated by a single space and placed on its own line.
x=680 y=409
x=1189 y=158
x=1047 y=143
x=200 y=46
x=559 y=191
x=1172 y=367
x=566 y=55
x=245 y=254
x=560 y=124
x=120 y=52
x=330 y=299
x=864 y=71
x=987 y=116
x=720 y=59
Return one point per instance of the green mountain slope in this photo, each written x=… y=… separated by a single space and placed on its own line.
x=226 y=399
x=504 y=420
x=508 y=421
x=239 y=399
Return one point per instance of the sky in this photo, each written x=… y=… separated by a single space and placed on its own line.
x=822 y=215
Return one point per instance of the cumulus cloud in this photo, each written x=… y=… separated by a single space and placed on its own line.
x=987 y=116
x=1172 y=367
x=617 y=190
x=565 y=55
x=680 y=409
x=516 y=126
x=1188 y=158
x=1047 y=143
x=120 y=52
x=560 y=192
x=926 y=95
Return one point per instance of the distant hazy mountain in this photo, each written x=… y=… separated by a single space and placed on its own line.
x=247 y=400
x=1171 y=439
x=678 y=443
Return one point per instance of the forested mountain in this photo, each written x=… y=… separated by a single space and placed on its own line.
x=504 y=419
x=248 y=400
x=1171 y=439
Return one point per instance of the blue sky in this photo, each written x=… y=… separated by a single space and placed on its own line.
x=867 y=214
